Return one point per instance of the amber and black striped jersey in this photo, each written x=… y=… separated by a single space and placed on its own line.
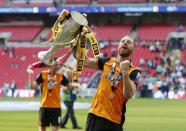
x=112 y=109
x=50 y=96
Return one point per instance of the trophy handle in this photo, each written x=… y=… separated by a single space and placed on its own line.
x=61 y=17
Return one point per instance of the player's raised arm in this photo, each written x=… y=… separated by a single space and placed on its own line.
x=128 y=87
x=30 y=70
x=32 y=84
x=91 y=62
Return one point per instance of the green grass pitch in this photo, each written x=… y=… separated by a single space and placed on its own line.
x=142 y=115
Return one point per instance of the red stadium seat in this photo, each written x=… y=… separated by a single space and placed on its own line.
x=77 y=1
x=86 y=75
x=120 y=1
x=22 y=33
x=141 y=52
x=155 y=31
x=106 y=32
x=32 y=3
x=2 y=3
x=39 y=4
x=15 y=68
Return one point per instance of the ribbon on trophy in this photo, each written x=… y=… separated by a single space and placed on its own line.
x=81 y=47
x=80 y=53
x=94 y=43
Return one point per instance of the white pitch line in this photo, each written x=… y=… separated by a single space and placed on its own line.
x=32 y=105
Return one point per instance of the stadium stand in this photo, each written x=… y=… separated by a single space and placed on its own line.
x=32 y=3
x=86 y=75
x=2 y=3
x=155 y=31
x=46 y=3
x=15 y=65
x=77 y=1
x=106 y=32
x=22 y=33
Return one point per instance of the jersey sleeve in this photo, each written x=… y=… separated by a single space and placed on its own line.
x=102 y=61
x=39 y=79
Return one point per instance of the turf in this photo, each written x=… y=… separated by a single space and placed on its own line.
x=87 y=99
x=142 y=115
x=156 y=115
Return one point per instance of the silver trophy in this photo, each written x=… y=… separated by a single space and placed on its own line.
x=65 y=30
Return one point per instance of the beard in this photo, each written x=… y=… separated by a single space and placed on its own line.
x=125 y=53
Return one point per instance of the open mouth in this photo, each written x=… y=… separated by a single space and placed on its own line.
x=124 y=47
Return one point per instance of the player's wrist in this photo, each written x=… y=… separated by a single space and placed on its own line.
x=124 y=73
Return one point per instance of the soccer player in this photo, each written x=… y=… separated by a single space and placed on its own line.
x=50 y=107
x=116 y=87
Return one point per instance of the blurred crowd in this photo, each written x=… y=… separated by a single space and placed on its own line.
x=162 y=77
x=9 y=89
x=164 y=73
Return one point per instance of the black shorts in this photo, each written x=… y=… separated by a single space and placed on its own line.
x=49 y=116
x=96 y=123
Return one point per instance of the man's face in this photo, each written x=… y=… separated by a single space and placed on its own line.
x=126 y=46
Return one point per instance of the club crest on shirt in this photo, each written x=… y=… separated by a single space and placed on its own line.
x=114 y=78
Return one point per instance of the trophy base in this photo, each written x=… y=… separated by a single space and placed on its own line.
x=45 y=59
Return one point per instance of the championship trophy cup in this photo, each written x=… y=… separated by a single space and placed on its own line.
x=66 y=29
x=70 y=30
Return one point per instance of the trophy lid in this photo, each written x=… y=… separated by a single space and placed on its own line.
x=79 y=18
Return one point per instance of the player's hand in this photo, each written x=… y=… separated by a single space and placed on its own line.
x=124 y=66
x=75 y=88
x=74 y=85
x=30 y=69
